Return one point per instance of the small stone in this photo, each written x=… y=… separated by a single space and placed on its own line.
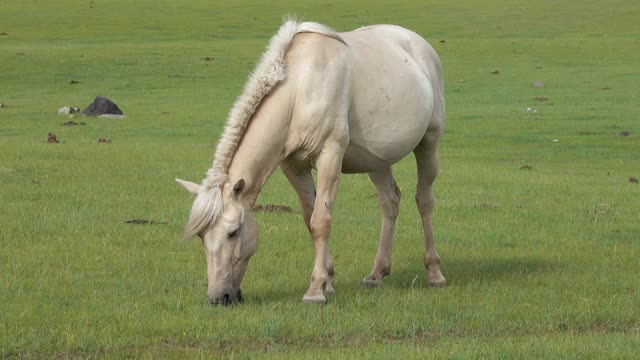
x=66 y=110
x=104 y=141
x=113 y=116
x=538 y=84
x=624 y=133
x=52 y=139
x=530 y=110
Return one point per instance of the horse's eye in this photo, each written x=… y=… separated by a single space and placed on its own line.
x=233 y=233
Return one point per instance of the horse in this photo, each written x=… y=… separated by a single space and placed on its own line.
x=352 y=102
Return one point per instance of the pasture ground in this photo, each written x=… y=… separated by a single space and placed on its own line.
x=536 y=220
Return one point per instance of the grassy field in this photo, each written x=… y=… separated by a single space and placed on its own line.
x=537 y=223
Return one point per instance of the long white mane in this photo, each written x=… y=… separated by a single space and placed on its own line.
x=271 y=70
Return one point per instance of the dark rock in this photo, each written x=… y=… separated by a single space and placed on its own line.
x=624 y=133
x=633 y=180
x=101 y=106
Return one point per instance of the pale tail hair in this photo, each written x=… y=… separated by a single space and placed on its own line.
x=271 y=70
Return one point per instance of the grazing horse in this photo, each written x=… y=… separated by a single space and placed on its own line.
x=354 y=102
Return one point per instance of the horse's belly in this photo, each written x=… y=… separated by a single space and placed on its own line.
x=382 y=131
x=377 y=144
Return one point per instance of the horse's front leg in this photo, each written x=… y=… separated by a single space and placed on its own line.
x=301 y=179
x=329 y=166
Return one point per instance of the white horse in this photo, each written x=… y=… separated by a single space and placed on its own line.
x=354 y=102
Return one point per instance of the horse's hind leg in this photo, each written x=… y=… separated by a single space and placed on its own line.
x=389 y=202
x=427 y=162
x=302 y=181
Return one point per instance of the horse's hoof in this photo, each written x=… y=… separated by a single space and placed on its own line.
x=329 y=291
x=371 y=282
x=314 y=299
x=437 y=284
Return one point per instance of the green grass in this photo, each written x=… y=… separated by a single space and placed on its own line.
x=540 y=263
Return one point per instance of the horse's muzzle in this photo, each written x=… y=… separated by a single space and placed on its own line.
x=230 y=298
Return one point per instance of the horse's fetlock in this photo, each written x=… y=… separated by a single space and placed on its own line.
x=385 y=271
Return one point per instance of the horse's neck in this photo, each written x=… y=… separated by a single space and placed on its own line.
x=262 y=146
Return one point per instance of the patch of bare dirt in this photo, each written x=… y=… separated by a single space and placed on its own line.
x=587 y=133
x=633 y=180
x=207 y=58
x=272 y=208
x=526 y=167
x=606 y=88
x=74 y=82
x=541 y=98
x=52 y=139
x=486 y=206
x=73 y=123
x=145 y=222
x=495 y=72
x=104 y=141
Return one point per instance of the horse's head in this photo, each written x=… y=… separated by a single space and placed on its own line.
x=229 y=234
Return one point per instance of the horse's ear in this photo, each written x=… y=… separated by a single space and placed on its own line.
x=238 y=187
x=189 y=186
